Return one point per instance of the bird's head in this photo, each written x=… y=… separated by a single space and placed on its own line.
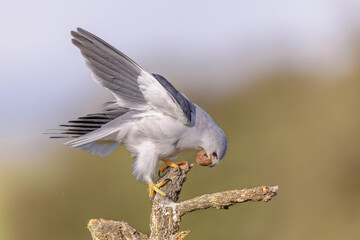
x=213 y=150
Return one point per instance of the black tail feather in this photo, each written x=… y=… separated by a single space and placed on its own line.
x=86 y=124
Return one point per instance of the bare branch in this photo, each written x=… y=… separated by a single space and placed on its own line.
x=166 y=213
x=164 y=218
x=101 y=229
x=223 y=200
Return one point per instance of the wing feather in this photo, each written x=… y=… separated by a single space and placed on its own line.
x=133 y=87
x=165 y=98
x=111 y=69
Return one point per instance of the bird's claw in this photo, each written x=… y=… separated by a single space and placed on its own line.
x=155 y=187
x=179 y=170
x=172 y=164
x=159 y=173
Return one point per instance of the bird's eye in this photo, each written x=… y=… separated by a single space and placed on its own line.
x=214 y=154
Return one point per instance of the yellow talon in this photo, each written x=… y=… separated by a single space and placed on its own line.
x=169 y=163
x=155 y=188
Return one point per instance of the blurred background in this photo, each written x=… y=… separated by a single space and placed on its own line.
x=280 y=77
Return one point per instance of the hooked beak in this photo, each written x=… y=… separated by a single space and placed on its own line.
x=212 y=164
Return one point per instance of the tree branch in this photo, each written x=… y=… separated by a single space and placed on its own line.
x=166 y=213
x=223 y=200
x=101 y=229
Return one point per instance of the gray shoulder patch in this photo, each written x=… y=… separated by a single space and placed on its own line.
x=186 y=106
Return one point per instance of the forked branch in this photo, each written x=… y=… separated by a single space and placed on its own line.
x=166 y=213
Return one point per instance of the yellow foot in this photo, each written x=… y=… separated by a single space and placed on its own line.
x=172 y=164
x=156 y=188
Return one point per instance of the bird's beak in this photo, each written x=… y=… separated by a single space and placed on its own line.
x=212 y=164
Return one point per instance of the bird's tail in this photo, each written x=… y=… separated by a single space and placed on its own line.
x=100 y=148
x=97 y=133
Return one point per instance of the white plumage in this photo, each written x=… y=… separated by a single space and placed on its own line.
x=149 y=116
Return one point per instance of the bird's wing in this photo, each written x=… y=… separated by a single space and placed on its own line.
x=163 y=97
x=133 y=87
x=111 y=69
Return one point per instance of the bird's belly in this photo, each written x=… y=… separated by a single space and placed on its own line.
x=164 y=133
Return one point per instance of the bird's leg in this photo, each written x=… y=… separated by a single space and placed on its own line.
x=169 y=163
x=156 y=188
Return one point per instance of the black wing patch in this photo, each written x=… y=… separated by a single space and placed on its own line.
x=186 y=106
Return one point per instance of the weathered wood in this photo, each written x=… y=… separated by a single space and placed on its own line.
x=101 y=229
x=166 y=213
x=165 y=218
x=223 y=200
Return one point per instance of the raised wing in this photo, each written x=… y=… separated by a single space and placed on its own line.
x=162 y=96
x=111 y=68
x=133 y=87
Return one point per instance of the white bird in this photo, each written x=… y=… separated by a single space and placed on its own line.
x=149 y=116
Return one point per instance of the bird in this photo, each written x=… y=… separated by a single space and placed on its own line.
x=149 y=116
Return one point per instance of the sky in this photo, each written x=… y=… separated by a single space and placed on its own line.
x=207 y=46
